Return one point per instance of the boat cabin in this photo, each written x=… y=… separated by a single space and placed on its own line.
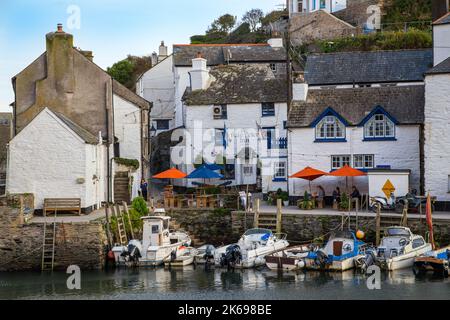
x=398 y=241
x=341 y=244
x=156 y=231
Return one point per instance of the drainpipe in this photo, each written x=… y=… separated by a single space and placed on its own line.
x=108 y=142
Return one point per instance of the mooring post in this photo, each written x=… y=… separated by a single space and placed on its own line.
x=256 y=216
x=108 y=230
x=279 y=205
x=378 y=224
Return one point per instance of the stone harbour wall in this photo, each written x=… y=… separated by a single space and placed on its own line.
x=81 y=244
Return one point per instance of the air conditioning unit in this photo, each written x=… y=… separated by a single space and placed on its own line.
x=217 y=112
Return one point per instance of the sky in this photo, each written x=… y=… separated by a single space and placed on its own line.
x=112 y=29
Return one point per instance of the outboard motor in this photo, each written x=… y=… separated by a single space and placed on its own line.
x=368 y=261
x=231 y=257
x=133 y=252
x=321 y=259
x=173 y=256
x=209 y=254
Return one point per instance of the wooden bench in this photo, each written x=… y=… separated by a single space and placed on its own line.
x=62 y=205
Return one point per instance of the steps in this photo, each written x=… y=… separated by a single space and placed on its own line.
x=48 y=246
x=122 y=187
x=267 y=221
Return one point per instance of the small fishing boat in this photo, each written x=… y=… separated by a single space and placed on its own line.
x=398 y=249
x=436 y=261
x=181 y=257
x=289 y=259
x=339 y=254
x=158 y=244
x=205 y=254
x=251 y=249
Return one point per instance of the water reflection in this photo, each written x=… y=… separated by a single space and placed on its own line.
x=191 y=283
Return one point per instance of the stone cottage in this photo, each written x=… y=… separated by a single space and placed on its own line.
x=66 y=81
x=363 y=109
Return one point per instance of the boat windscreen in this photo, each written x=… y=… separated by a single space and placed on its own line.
x=257 y=231
x=342 y=234
x=397 y=232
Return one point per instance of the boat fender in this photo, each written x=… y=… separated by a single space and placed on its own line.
x=111 y=255
x=301 y=264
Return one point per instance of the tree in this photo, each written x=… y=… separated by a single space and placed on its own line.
x=122 y=71
x=223 y=24
x=253 y=18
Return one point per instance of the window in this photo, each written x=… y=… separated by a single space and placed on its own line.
x=4 y=122
x=279 y=170
x=273 y=66
x=322 y=4
x=314 y=4
x=220 y=112
x=329 y=128
x=300 y=6
x=155 y=229
x=380 y=126
x=268 y=109
x=418 y=243
x=338 y=162
x=248 y=170
x=229 y=172
x=162 y=124
x=219 y=137
x=363 y=161
x=270 y=136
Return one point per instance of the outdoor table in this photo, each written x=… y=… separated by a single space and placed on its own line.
x=202 y=201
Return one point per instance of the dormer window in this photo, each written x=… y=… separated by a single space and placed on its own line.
x=379 y=126
x=330 y=128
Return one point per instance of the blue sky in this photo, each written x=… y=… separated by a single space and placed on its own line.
x=110 y=28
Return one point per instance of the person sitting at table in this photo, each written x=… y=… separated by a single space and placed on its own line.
x=337 y=195
x=321 y=193
x=355 y=193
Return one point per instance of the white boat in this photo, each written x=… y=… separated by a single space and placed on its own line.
x=250 y=250
x=157 y=244
x=399 y=248
x=289 y=259
x=182 y=257
x=205 y=254
x=339 y=254
x=437 y=261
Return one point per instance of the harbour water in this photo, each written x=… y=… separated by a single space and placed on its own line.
x=217 y=284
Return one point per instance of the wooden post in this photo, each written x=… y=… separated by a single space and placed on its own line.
x=125 y=206
x=21 y=210
x=256 y=216
x=378 y=224
x=279 y=206
x=404 y=221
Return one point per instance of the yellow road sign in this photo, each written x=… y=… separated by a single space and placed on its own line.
x=388 y=188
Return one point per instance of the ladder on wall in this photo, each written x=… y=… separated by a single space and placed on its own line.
x=48 y=245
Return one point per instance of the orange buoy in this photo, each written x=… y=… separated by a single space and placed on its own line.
x=360 y=234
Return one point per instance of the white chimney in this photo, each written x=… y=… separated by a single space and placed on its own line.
x=199 y=73
x=441 y=40
x=275 y=42
x=162 y=52
x=154 y=58
x=299 y=88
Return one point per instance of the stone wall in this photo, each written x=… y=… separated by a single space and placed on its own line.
x=356 y=11
x=318 y=25
x=82 y=244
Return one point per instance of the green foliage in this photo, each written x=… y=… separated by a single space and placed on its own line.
x=212 y=190
x=400 y=11
x=253 y=18
x=306 y=203
x=140 y=205
x=131 y=163
x=392 y=40
x=221 y=212
x=128 y=70
x=345 y=202
x=222 y=25
x=273 y=16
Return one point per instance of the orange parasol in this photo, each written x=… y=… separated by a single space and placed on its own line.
x=309 y=174
x=171 y=174
x=347 y=171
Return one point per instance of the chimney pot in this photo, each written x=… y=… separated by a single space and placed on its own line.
x=199 y=54
x=60 y=27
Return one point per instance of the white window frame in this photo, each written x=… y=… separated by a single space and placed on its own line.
x=280 y=166
x=338 y=161
x=330 y=128
x=218 y=137
x=364 y=161
x=273 y=67
x=247 y=170
x=377 y=127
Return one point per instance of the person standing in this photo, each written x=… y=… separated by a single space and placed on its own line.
x=144 y=189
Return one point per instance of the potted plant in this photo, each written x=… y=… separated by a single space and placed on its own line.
x=345 y=202
x=306 y=203
x=285 y=198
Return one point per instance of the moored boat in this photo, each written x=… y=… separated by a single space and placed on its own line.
x=205 y=254
x=436 y=261
x=182 y=257
x=158 y=243
x=251 y=249
x=289 y=259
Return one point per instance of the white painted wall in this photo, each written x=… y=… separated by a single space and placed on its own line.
x=378 y=179
x=437 y=136
x=441 y=40
x=46 y=158
x=308 y=5
x=303 y=151
x=240 y=116
x=127 y=128
x=158 y=86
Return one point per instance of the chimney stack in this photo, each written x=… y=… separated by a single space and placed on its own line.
x=276 y=41
x=299 y=88
x=154 y=59
x=163 y=52
x=199 y=74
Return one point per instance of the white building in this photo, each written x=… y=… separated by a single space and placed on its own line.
x=158 y=86
x=363 y=109
x=305 y=6
x=238 y=113
x=437 y=115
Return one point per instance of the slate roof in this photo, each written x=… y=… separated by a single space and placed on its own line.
x=81 y=132
x=404 y=103
x=224 y=53
x=443 y=67
x=443 y=20
x=368 y=67
x=236 y=84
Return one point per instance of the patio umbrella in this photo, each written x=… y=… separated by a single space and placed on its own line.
x=204 y=173
x=173 y=173
x=213 y=166
x=347 y=171
x=309 y=174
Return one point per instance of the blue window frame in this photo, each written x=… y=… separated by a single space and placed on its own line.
x=270 y=135
x=162 y=124
x=314 y=4
x=379 y=125
x=330 y=127
x=268 y=109
x=322 y=4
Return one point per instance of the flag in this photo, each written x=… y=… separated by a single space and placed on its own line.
x=430 y=220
